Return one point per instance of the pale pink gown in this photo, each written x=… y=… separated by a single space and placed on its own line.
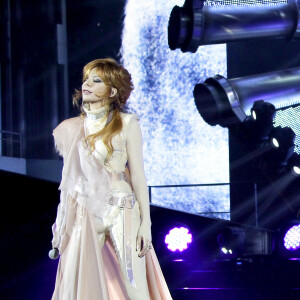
x=87 y=271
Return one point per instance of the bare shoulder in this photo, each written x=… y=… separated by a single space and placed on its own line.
x=127 y=117
x=130 y=124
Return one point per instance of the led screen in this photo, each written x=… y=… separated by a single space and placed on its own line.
x=244 y=2
x=290 y=117
x=179 y=147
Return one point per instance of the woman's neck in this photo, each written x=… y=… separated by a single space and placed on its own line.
x=96 y=105
x=95 y=114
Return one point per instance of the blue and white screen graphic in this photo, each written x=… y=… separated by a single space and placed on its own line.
x=290 y=117
x=243 y=2
x=179 y=147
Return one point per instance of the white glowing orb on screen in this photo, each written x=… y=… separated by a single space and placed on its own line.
x=178 y=239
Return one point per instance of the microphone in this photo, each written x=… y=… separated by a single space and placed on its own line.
x=54 y=253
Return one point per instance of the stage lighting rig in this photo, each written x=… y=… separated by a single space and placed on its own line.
x=272 y=148
x=282 y=143
x=178 y=239
x=196 y=24
x=231 y=241
x=288 y=239
x=228 y=101
x=184 y=26
x=262 y=114
x=293 y=164
x=292 y=238
x=256 y=128
x=282 y=138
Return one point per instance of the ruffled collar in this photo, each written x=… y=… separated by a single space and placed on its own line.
x=95 y=114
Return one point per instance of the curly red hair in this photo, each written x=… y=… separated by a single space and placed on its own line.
x=114 y=75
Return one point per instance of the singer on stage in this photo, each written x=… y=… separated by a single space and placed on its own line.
x=102 y=231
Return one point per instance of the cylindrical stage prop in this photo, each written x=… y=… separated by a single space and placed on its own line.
x=194 y=25
x=228 y=101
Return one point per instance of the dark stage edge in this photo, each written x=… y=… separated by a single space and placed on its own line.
x=28 y=273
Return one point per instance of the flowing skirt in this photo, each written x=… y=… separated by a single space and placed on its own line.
x=90 y=270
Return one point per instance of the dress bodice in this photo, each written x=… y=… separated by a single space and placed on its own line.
x=95 y=121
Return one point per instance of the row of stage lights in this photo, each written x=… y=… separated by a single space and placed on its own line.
x=247 y=102
x=278 y=143
x=227 y=102
x=231 y=240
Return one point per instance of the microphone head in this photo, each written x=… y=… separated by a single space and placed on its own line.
x=54 y=253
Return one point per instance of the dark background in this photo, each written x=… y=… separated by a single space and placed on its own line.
x=43 y=47
x=277 y=202
x=40 y=68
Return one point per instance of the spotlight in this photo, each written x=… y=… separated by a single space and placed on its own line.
x=262 y=114
x=184 y=25
x=296 y=170
x=288 y=239
x=273 y=146
x=231 y=241
x=226 y=251
x=282 y=138
x=275 y=142
x=281 y=141
x=178 y=239
x=228 y=102
x=196 y=24
x=294 y=164
x=292 y=238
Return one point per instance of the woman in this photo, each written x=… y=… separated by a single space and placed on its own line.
x=103 y=227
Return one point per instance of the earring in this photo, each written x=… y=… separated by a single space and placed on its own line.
x=112 y=92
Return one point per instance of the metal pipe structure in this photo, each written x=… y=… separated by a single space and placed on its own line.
x=227 y=101
x=195 y=24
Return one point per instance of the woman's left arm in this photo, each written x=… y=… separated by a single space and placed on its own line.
x=134 y=149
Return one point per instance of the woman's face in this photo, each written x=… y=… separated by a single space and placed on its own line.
x=93 y=87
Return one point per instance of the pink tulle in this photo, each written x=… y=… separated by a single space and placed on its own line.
x=86 y=271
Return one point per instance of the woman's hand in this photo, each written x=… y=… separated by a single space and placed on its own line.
x=144 y=238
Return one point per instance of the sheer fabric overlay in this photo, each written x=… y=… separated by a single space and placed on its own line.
x=86 y=270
